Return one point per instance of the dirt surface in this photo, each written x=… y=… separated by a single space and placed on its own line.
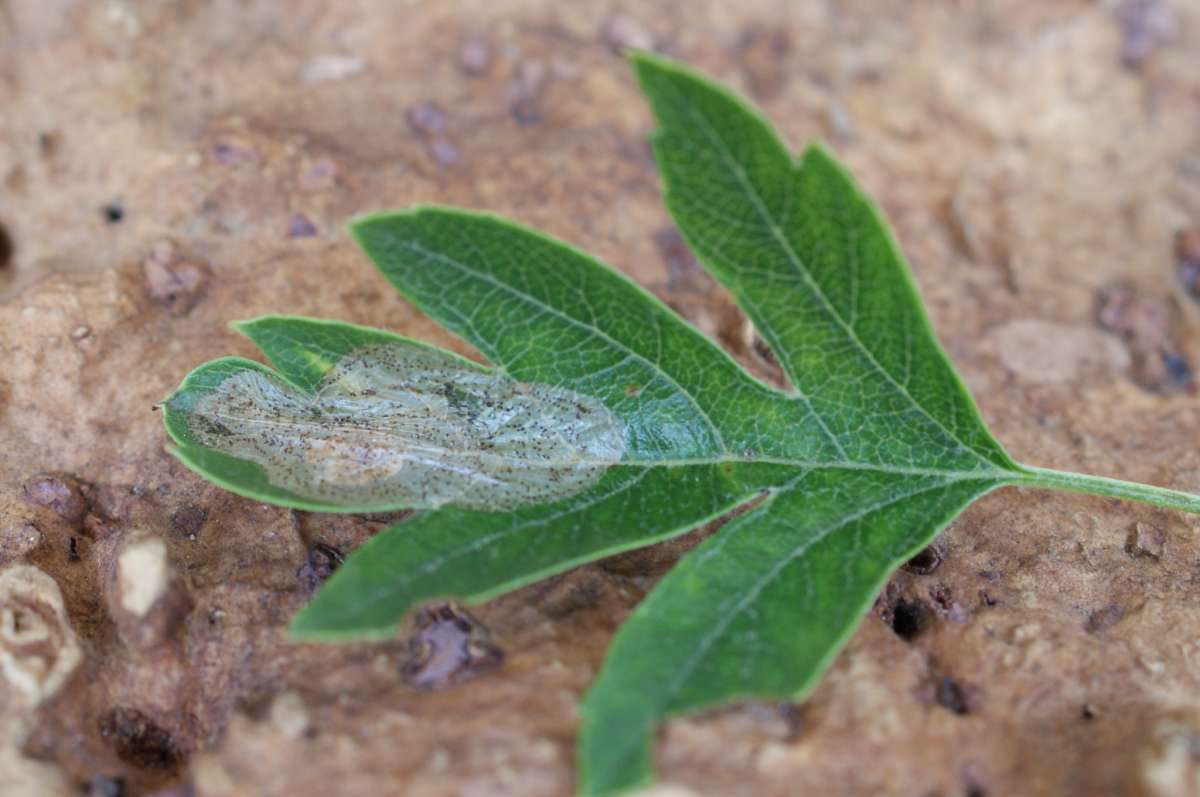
x=166 y=168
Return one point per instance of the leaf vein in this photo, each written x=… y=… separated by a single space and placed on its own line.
x=545 y=308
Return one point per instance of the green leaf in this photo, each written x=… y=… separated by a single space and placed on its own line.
x=760 y=608
x=633 y=427
x=809 y=260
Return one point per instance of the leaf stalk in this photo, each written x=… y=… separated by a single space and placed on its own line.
x=1045 y=478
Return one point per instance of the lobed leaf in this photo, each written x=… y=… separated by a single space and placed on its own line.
x=876 y=447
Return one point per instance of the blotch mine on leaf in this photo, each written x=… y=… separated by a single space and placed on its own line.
x=405 y=425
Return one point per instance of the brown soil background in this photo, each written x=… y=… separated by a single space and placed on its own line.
x=1038 y=160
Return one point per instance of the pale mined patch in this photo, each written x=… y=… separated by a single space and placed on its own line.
x=403 y=425
x=142 y=575
x=38 y=649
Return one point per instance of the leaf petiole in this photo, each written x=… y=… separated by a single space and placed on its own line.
x=1047 y=479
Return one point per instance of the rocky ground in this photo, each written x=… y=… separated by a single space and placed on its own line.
x=168 y=167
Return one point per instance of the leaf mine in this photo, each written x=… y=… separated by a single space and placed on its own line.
x=402 y=424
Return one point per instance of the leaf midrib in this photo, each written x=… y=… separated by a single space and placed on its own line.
x=721 y=459
x=951 y=474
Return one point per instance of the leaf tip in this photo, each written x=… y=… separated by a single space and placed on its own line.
x=259 y=328
x=246 y=327
x=651 y=68
x=364 y=220
x=640 y=59
x=373 y=231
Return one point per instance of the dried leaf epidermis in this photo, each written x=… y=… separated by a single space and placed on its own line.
x=400 y=424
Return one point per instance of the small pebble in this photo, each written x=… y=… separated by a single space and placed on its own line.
x=426 y=118
x=300 y=227
x=526 y=89
x=113 y=212
x=1146 y=25
x=449 y=646
x=228 y=152
x=18 y=540
x=173 y=281
x=61 y=494
x=188 y=520
x=6 y=248
x=1187 y=244
x=443 y=151
x=318 y=175
x=1187 y=259
x=475 y=56
x=926 y=561
x=325 y=68
x=107 y=786
x=319 y=565
x=1103 y=619
x=1145 y=540
x=621 y=32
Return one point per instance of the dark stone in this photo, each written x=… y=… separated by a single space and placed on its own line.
x=62 y=494
x=321 y=562
x=449 y=646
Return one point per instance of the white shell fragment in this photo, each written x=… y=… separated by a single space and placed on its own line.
x=403 y=425
x=38 y=649
x=142 y=575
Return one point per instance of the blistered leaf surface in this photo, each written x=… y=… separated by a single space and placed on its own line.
x=401 y=424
